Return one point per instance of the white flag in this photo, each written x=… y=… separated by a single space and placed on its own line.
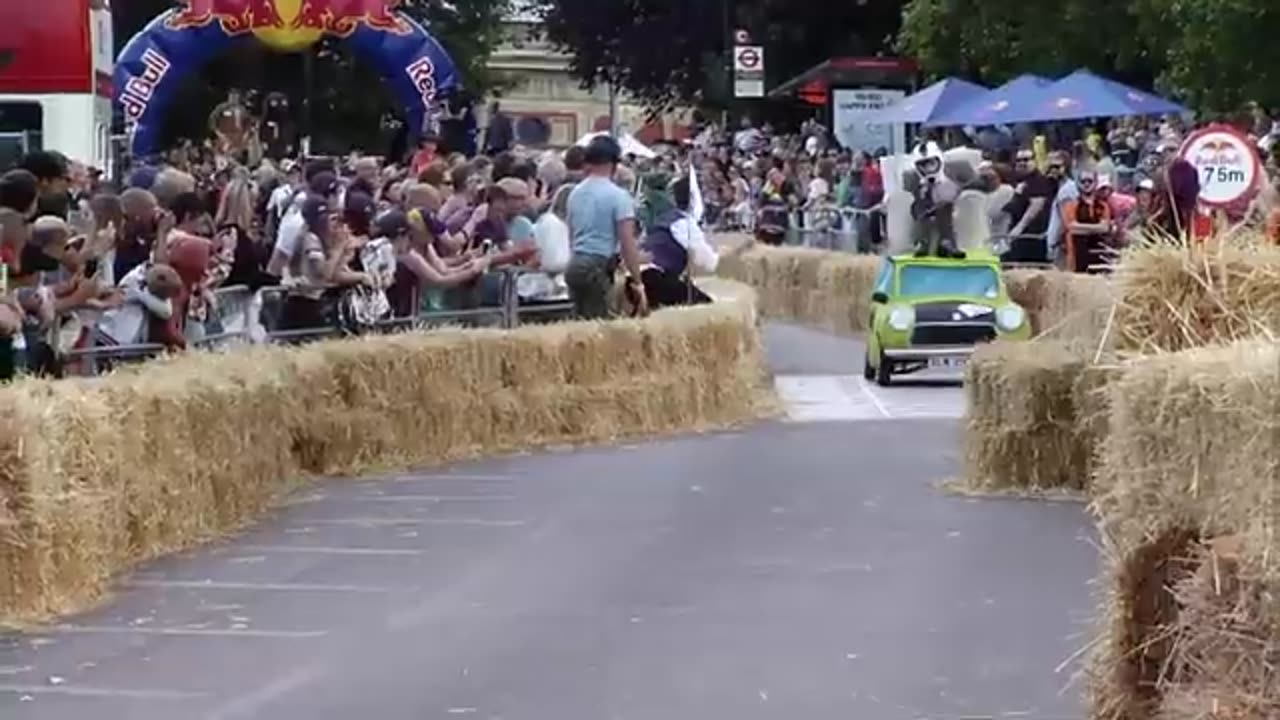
x=696 y=208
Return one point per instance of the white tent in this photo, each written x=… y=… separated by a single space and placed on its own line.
x=630 y=145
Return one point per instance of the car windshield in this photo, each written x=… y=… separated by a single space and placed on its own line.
x=970 y=281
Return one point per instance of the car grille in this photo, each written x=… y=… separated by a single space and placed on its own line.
x=954 y=333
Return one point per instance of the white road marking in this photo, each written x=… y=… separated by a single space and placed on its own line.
x=430 y=478
x=253 y=587
x=820 y=398
x=866 y=390
x=398 y=521
x=319 y=550
x=828 y=398
x=98 y=692
x=431 y=498
x=252 y=704
x=192 y=632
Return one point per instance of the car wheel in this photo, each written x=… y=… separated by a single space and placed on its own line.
x=884 y=373
x=868 y=372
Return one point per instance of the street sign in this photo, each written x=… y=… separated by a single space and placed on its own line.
x=748 y=71
x=1228 y=165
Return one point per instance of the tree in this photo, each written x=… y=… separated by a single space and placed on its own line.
x=994 y=42
x=657 y=50
x=665 y=51
x=1213 y=54
x=1221 y=53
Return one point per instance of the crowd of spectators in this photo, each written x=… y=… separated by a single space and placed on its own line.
x=1055 y=188
x=323 y=245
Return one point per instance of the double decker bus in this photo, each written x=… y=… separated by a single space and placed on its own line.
x=56 y=59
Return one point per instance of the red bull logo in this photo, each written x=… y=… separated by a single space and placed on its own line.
x=1218 y=153
x=343 y=17
x=235 y=16
x=291 y=24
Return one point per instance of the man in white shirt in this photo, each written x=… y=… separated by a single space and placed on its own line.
x=671 y=246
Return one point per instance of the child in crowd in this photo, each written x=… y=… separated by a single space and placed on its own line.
x=148 y=292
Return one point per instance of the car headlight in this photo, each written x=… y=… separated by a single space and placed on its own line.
x=902 y=317
x=1010 y=317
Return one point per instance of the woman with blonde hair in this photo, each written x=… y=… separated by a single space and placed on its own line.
x=236 y=236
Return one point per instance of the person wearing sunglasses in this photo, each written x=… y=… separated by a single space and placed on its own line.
x=1035 y=192
x=1087 y=221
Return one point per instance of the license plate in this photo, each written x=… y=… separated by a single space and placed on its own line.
x=948 y=363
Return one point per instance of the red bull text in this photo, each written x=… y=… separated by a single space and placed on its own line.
x=137 y=92
x=423 y=74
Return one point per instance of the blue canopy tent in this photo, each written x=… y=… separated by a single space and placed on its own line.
x=930 y=102
x=991 y=104
x=1078 y=96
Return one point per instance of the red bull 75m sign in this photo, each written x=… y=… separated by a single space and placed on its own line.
x=181 y=41
x=1227 y=163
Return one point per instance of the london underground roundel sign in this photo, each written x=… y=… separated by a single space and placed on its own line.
x=1228 y=164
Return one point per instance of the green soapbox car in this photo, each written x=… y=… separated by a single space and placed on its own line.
x=931 y=312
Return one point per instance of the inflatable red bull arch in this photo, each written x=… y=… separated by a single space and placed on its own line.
x=183 y=40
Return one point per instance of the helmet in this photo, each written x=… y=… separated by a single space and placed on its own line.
x=928 y=161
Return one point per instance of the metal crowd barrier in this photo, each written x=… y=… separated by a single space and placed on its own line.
x=236 y=318
x=830 y=228
x=233 y=304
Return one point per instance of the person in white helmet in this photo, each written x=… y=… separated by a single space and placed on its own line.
x=933 y=205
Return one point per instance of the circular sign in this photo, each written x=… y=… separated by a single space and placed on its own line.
x=748 y=58
x=742 y=37
x=1227 y=163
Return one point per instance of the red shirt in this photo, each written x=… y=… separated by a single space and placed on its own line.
x=422 y=159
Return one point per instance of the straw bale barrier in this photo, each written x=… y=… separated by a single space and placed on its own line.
x=1187 y=499
x=97 y=475
x=1066 y=306
x=1035 y=415
x=1174 y=297
x=822 y=288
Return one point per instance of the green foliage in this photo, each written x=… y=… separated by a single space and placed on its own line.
x=994 y=42
x=1223 y=52
x=1213 y=54
x=665 y=51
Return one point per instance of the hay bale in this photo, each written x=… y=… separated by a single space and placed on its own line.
x=1173 y=297
x=1071 y=307
x=821 y=288
x=98 y=475
x=1194 y=441
x=1033 y=418
x=1192 y=454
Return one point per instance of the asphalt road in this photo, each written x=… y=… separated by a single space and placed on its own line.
x=789 y=570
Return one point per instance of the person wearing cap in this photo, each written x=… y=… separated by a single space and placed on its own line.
x=323 y=186
x=602 y=230
x=1121 y=203
x=1088 y=226
x=320 y=263
x=418 y=267
x=1143 y=207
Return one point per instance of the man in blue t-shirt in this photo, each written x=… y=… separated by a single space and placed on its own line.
x=601 y=228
